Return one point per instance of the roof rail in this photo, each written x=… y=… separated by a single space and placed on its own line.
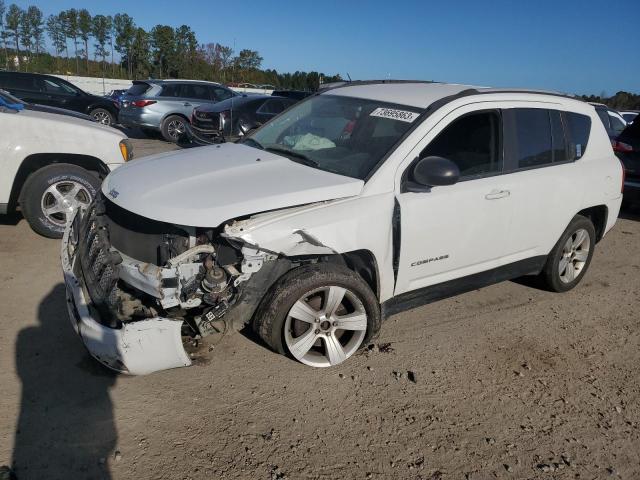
x=353 y=83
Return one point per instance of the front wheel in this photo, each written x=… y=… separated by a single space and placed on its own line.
x=320 y=314
x=570 y=258
x=173 y=128
x=51 y=196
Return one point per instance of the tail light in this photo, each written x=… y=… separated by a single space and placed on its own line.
x=621 y=146
x=143 y=103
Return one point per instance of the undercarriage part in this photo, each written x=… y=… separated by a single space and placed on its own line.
x=212 y=322
x=146 y=240
x=210 y=283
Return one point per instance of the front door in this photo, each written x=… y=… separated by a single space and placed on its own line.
x=453 y=231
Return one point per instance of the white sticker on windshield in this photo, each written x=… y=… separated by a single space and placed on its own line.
x=402 y=115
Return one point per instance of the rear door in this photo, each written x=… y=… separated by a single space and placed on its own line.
x=193 y=95
x=542 y=176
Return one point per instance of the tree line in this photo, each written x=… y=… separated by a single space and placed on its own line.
x=619 y=101
x=85 y=44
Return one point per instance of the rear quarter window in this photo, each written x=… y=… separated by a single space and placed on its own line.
x=579 y=129
x=138 y=89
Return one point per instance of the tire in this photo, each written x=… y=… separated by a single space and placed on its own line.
x=574 y=253
x=280 y=331
x=102 y=116
x=39 y=200
x=170 y=129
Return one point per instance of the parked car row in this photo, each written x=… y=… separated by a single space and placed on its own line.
x=170 y=107
x=155 y=106
x=624 y=134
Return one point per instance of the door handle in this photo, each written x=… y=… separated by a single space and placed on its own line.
x=496 y=194
x=186 y=104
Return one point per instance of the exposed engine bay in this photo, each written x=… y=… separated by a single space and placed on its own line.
x=135 y=268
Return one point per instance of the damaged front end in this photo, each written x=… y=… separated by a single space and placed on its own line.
x=138 y=290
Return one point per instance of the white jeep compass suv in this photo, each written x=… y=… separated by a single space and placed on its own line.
x=361 y=201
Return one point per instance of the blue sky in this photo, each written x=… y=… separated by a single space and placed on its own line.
x=573 y=46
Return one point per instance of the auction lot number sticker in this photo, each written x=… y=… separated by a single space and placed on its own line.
x=392 y=113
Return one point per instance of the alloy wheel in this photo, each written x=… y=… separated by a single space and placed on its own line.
x=175 y=128
x=325 y=326
x=62 y=199
x=574 y=256
x=102 y=117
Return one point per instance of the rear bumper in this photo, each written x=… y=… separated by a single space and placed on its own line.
x=138 y=117
x=137 y=348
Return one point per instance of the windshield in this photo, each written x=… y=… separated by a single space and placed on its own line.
x=343 y=135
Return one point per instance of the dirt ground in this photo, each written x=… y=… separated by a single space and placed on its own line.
x=505 y=382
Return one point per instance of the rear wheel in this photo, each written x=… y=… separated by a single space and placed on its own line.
x=102 y=116
x=319 y=314
x=51 y=196
x=173 y=128
x=571 y=256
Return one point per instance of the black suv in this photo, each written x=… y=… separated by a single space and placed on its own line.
x=55 y=92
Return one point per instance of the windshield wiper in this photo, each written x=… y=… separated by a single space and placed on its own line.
x=252 y=143
x=297 y=156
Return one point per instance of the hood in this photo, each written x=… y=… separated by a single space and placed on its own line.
x=203 y=187
x=230 y=103
x=71 y=122
x=59 y=111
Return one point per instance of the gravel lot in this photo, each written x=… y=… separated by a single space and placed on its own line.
x=505 y=382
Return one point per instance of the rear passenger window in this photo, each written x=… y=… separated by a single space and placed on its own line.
x=18 y=82
x=578 y=129
x=200 y=92
x=472 y=142
x=533 y=137
x=171 y=90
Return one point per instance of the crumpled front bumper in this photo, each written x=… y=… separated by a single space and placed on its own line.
x=139 y=347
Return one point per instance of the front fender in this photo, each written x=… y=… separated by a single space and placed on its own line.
x=327 y=228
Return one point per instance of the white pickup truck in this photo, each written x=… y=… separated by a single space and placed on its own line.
x=359 y=202
x=52 y=164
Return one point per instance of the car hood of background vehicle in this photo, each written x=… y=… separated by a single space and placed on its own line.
x=59 y=111
x=206 y=186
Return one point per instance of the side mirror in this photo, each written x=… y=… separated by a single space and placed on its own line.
x=434 y=172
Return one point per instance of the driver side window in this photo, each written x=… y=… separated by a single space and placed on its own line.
x=472 y=142
x=56 y=88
